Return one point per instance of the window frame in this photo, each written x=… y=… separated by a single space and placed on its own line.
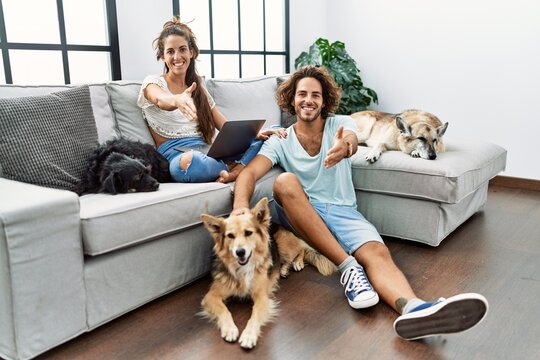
x=212 y=51
x=113 y=48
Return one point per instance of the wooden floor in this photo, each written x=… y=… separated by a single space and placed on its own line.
x=495 y=253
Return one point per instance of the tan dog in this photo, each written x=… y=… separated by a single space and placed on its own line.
x=414 y=132
x=248 y=265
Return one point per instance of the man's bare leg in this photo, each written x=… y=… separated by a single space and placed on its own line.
x=304 y=219
x=384 y=275
x=308 y=224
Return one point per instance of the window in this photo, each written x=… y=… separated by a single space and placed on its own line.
x=239 y=38
x=58 y=41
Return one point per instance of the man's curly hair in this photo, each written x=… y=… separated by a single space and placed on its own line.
x=331 y=92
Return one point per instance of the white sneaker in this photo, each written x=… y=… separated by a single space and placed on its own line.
x=446 y=316
x=358 y=290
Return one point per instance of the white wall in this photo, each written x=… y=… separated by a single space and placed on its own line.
x=308 y=22
x=139 y=23
x=474 y=64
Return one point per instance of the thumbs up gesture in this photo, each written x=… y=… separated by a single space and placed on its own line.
x=185 y=104
x=338 y=151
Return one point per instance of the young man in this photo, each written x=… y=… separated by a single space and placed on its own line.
x=315 y=198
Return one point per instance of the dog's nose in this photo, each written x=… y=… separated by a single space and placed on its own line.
x=432 y=156
x=240 y=252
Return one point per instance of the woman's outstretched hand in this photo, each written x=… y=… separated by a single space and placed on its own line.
x=185 y=104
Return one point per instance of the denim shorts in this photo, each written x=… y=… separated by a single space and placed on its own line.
x=347 y=224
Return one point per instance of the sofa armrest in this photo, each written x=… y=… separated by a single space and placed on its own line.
x=42 y=294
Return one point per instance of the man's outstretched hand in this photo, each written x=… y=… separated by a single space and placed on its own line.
x=338 y=151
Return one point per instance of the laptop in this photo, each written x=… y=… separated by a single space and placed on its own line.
x=233 y=139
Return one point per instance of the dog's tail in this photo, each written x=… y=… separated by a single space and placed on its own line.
x=315 y=258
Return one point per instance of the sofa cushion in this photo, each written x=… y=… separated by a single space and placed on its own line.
x=455 y=174
x=106 y=127
x=127 y=115
x=45 y=140
x=250 y=98
x=111 y=222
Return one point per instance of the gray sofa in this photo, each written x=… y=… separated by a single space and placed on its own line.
x=69 y=264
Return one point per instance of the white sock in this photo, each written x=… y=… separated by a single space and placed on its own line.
x=347 y=263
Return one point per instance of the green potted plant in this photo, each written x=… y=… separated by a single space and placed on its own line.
x=355 y=96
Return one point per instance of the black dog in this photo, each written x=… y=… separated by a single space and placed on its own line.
x=121 y=166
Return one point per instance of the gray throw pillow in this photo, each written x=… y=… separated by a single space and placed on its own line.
x=287 y=119
x=128 y=116
x=46 y=140
x=246 y=98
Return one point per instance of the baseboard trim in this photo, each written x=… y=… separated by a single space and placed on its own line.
x=516 y=183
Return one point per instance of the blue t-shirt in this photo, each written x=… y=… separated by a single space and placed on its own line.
x=329 y=186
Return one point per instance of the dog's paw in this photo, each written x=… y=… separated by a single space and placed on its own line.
x=373 y=156
x=298 y=265
x=415 y=154
x=229 y=333
x=284 y=270
x=248 y=339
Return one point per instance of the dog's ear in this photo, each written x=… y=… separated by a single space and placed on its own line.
x=214 y=225
x=442 y=129
x=261 y=212
x=112 y=183
x=403 y=127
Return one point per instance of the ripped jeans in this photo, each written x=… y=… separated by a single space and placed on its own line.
x=202 y=167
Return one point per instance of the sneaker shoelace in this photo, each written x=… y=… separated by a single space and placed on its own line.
x=356 y=280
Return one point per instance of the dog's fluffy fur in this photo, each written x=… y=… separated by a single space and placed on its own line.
x=414 y=132
x=121 y=166
x=295 y=252
x=247 y=264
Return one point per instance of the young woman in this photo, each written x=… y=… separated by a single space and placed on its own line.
x=181 y=113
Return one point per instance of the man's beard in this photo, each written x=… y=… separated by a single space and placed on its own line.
x=310 y=118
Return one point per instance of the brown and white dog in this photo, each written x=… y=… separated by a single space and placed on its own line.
x=414 y=132
x=247 y=264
